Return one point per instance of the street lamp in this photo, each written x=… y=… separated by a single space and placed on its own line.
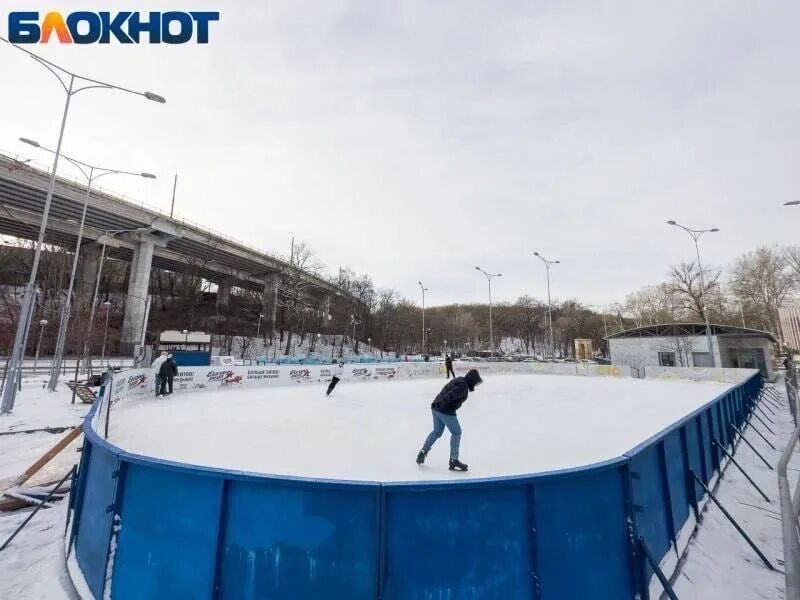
x=91 y=173
x=424 y=289
x=547 y=264
x=26 y=309
x=695 y=235
x=491 y=333
x=42 y=323
x=258 y=325
x=107 y=304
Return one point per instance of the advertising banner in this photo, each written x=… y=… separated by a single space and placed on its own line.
x=140 y=383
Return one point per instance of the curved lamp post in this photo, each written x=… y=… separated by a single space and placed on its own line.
x=696 y=234
x=489 y=277
x=547 y=264
x=68 y=81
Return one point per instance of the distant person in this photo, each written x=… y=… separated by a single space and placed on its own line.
x=448 y=363
x=167 y=372
x=444 y=408
x=156 y=366
x=337 y=377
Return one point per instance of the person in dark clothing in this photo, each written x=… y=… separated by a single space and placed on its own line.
x=336 y=378
x=444 y=408
x=166 y=374
x=448 y=363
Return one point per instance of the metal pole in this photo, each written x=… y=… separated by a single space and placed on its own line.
x=65 y=313
x=491 y=332
x=703 y=296
x=18 y=350
x=38 y=345
x=87 y=342
x=105 y=336
x=174 y=187
x=550 y=313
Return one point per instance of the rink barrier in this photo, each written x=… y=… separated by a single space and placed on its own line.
x=144 y=527
x=140 y=383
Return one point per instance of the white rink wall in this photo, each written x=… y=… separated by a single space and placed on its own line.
x=138 y=383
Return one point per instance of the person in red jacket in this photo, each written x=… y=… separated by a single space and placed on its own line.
x=444 y=408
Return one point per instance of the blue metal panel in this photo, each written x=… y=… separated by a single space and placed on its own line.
x=300 y=542
x=695 y=455
x=650 y=495
x=191 y=358
x=166 y=546
x=462 y=543
x=677 y=477
x=582 y=538
x=91 y=544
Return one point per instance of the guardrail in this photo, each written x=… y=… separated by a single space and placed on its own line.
x=790 y=512
x=146 y=527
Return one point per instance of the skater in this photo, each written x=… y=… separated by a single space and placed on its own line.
x=336 y=378
x=166 y=373
x=444 y=408
x=156 y=366
x=448 y=362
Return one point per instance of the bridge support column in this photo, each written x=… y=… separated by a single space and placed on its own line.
x=274 y=284
x=138 y=289
x=90 y=258
x=224 y=293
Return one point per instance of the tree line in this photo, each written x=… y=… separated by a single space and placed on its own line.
x=747 y=293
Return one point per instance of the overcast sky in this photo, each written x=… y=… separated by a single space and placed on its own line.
x=414 y=140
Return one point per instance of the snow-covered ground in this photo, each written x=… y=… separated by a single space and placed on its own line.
x=720 y=565
x=512 y=424
x=31 y=567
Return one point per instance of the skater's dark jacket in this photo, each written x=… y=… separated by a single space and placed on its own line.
x=455 y=393
x=168 y=368
x=448 y=362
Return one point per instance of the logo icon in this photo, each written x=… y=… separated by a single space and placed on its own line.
x=124 y=27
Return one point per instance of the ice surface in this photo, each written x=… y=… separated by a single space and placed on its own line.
x=512 y=424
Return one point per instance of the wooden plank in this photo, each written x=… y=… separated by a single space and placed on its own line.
x=47 y=457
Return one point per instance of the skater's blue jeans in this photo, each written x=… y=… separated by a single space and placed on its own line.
x=440 y=421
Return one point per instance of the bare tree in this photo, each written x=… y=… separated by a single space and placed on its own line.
x=684 y=286
x=765 y=278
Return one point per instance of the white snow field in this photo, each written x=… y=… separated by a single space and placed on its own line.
x=512 y=424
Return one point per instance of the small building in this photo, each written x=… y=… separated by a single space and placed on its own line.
x=685 y=345
x=583 y=349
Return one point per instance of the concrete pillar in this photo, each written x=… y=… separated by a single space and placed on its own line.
x=275 y=283
x=90 y=260
x=138 y=289
x=224 y=293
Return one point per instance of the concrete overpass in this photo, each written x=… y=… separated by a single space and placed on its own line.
x=142 y=236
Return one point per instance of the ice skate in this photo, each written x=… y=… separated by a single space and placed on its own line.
x=457 y=465
x=421 y=457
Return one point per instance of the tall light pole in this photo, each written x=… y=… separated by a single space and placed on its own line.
x=68 y=81
x=42 y=323
x=92 y=173
x=547 y=264
x=695 y=235
x=424 y=289
x=258 y=325
x=107 y=304
x=489 y=277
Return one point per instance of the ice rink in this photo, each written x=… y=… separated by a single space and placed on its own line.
x=371 y=431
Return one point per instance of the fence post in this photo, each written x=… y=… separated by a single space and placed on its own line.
x=638 y=576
